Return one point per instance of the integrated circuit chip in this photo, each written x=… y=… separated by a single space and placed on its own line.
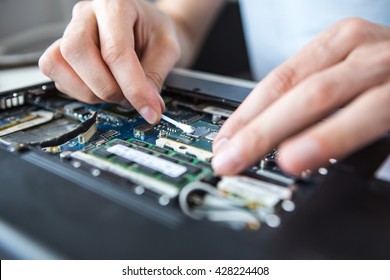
x=211 y=136
x=199 y=132
x=143 y=130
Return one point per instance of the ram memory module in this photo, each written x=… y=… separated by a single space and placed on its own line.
x=161 y=170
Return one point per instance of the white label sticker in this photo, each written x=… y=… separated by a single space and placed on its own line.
x=166 y=167
x=219 y=111
x=383 y=173
x=255 y=190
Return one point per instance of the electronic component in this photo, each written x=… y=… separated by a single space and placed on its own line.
x=77 y=110
x=199 y=132
x=254 y=192
x=120 y=111
x=143 y=130
x=124 y=171
x=216 y=118
x=159 y=170
x=193 y=119
x=79 y=129
x=184 y=148
x=109 y=134
x=268 y=168
x=211 y=136
x=12 y=100
x=199 y=200
x=218 y=111
x=86 y=136
x=156 y=163
x=276 y=176
x=71 y=107
x=165 y=158
x=41 y=133
x=82 y=113
x=195 y=143
x=24 y=121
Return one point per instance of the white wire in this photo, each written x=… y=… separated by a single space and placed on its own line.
x=185 y=127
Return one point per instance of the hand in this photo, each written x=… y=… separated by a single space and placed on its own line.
x=346 y=66
x=115 y=51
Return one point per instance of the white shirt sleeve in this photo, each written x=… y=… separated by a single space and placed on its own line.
x=276 y=29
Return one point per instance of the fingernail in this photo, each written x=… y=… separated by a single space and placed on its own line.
x=217 y=145
x=124 y=102
x=149 y=114
x=299 y=155
x=227 y=161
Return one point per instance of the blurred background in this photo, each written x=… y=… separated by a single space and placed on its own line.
x=28 y=27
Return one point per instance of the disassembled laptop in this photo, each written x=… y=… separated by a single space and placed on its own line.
x=170 y=160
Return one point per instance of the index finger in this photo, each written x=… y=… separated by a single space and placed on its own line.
x=116 y=32
x=327 y=49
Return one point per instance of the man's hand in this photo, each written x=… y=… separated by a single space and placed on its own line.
x=122 y=50
x=115 y=51
x=294 y=107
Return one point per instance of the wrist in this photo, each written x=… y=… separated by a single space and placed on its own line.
x=189 y=47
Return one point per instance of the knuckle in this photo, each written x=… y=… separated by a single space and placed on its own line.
x=90 y=98
x=379 y=61
x=257 y=143
x=49 y=61
x=78 y=7
x=73 y=47
x=86 y=95
x=383 y=98
x=325 y=144
x=259 y=137
x=352 y=29
x=113 y=52
x=135 y=96
x=384 y=55
x=283 y=79
x=172 y=46
x=46 y=65
x=109 y=93
x=319 y=94
x=156 y=78
x=60 y=87
x=232 y=124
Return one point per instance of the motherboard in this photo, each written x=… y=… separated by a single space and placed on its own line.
x=161 y=159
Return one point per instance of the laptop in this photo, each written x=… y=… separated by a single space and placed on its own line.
x=82 y=181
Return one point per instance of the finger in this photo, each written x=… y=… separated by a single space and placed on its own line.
x=79 y=48
x=327 y=49
x=159 y=58
x=116 y=25
x=53 y=65
x=307 y=103
x=362 y=122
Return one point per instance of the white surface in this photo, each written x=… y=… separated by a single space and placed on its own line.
x=185 y=127
x=20 y=77
x=168 y=168
x=214 y=78
x=277 y=29
x=383 y=173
